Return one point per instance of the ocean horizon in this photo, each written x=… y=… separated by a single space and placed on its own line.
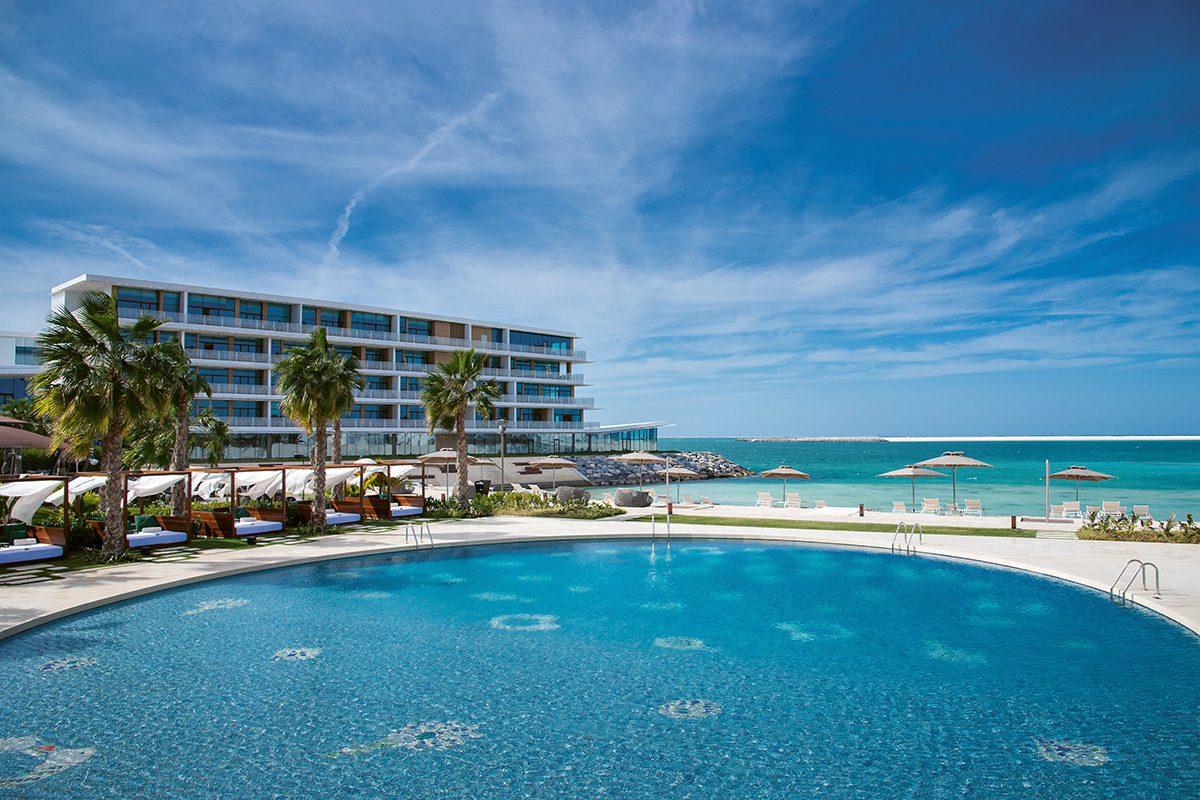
x=1161 y=472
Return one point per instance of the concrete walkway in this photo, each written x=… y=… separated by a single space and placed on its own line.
x=1089 y=563
x=850 y=516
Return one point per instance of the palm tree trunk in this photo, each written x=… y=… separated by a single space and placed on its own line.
x=339 y=491
x=110 y=494
x=460 y=446
x=179 y=458
x=318 y=506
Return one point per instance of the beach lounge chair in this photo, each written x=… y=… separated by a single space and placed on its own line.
x=1071 y=509
x=1092 y=510
x=687 y=500
x=973 y=507
x=1056 y=512
x=792 y=500
x=332 y=515
x=1142 y=512
x=30 y=549
x=610 y=499
x=707 y=501
x=899 y=507
x=1112 y=508
x=765 y=500
x=931 y=505
x=820 y=504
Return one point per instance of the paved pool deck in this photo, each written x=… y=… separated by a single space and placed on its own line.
x=1089 y=563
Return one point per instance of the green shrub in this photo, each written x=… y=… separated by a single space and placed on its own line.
x=1132 y=529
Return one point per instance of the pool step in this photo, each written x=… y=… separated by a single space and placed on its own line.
x=1056 y=535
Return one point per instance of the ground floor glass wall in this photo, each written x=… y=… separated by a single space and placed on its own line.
x=272 y=447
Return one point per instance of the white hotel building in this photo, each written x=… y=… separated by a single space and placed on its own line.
x=235 y=337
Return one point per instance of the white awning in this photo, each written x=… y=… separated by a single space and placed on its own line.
x=30 y=494
x=150 y=485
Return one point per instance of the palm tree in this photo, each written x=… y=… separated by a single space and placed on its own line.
x=95 y=383
x=308 y=379
x=177 y=383
x=449 y=392
x=346 y=378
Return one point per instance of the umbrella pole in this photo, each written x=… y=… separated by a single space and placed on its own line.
x=914 y=488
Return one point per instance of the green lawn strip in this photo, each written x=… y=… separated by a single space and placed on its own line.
x=877 y=527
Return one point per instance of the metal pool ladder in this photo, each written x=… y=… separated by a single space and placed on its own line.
x=1139 y=569
x=910 y=533
x=415 y=529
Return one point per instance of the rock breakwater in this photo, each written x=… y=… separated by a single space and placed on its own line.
x=603 y=471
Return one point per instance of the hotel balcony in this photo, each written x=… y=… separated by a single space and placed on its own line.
x=179 y=320
x=285 y=425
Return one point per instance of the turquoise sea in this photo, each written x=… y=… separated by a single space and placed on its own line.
x=1162 y=474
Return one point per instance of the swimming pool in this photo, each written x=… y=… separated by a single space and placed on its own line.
x=714 y=669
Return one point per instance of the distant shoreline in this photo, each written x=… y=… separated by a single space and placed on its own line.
x=868 y=439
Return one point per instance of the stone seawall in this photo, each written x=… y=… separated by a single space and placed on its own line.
x=603 y=471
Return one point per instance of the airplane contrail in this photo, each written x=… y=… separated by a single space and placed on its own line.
x=431 y=143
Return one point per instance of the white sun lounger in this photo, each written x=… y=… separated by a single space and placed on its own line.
x=931 y=505
x=152 y=537
x=1112 y=508
x=1141 y=512
x=792 y=500
x=1056 y=512
x=1071 y=509
x=22 y=550
x=820 y=504
x=765 y=500
x=255 y=527
x=973 y=507
x=403 y=511
x=707 y=501
x=339 y=518
x=899 y=507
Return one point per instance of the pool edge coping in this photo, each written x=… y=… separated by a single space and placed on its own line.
x=794 y=536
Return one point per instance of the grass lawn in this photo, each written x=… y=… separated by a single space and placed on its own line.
x=754 y=522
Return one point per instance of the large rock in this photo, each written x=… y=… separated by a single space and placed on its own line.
x=630 y=498
x=566 y=494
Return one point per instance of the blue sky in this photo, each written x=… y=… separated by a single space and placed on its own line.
x=794 y=219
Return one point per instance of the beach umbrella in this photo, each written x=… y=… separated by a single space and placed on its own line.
x=678 y=472
x=785 y=472
x=1078 y=474
x=639 y=457
x=913 y=472
x=952 y=461
x=554 y=464
x=443 y=458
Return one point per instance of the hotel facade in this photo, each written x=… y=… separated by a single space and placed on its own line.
x=235 y=338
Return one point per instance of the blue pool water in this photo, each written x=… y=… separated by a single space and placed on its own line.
x=607 y=670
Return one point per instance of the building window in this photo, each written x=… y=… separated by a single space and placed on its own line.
x=167 y=336
x=279 y=312
x=375 y=356
x=412 y=357
x=250 y=309
x=12 y=389
x=373 y=412
x=139 y=300
x=218 y=407
x=376 y=382
x=206 y=305
x=408 y=384
x=244 y=408
x=566 y=416
x=345 y=351
x=414 y=327
x=412 y=412
x=215 y=343
x=366 y=321
x=539 y=340
x=276 y=409
x=247 y=377
x=526 y=414
x=170 y=301
x=28 y=355
x=216 y=377
x=247 y=345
